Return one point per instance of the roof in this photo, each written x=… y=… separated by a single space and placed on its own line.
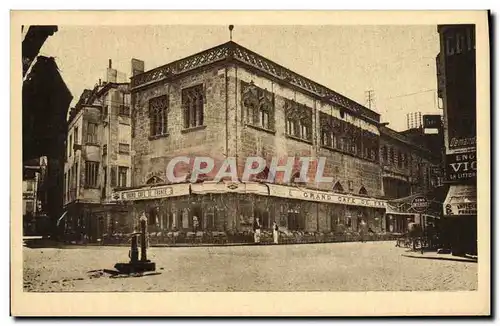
x=386 y=131
x=232 y=51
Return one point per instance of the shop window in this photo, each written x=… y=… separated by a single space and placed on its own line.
x=196 y=211
x=296 y=222
x=263 y=216
x=185 y=218
x=259 y=106
x=153 y=216
x=158 y=115
x=338 y=187
x=192 y=103
x=210 y=218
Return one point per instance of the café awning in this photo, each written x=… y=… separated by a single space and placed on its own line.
x=461 y=200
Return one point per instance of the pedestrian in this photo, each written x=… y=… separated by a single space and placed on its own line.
x=275 y=232
x=256 y=230
x=195 y=224
x=362 y=230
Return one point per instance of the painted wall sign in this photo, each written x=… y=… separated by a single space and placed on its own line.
x=325 y=197
x=461 y=167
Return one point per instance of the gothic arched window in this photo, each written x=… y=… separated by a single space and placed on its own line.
x=338 y=187
x=154 y=180
x=158 y=111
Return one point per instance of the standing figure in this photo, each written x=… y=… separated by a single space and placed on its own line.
x=256 y=230
x=195 y=224
x=362 y=230
x=275 y=232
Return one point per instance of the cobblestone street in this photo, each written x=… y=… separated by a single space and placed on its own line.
x=372 y=266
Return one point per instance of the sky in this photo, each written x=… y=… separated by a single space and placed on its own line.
x=396 y=62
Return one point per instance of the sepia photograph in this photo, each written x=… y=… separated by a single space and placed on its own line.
x=277 y=157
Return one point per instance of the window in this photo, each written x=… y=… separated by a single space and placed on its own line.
x=259 y=106
x=338 y=187
x=113 y=176
x=92 y=133
x=30 y=207
x=76 y=175
x=158 y=115
x=124 y=110
x=362 y=191
x=65 y=186
x=400 y=160
x=192 y=103
x=384 y=154
x=405 y=160
x=299 y=120
x=330 y=129
x=91 y=173
x=122 y=176
x=296 y=222
x=29 y=185
x=70 y=148
x=105 y=149
x=76 y=135
x=123 y=148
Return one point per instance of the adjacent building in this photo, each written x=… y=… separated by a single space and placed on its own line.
x=456 y=76
x=97 y=158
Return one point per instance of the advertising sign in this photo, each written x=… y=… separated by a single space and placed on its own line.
x=460 y=100
x=325 y=197
x=461 y=167
x=420 y=204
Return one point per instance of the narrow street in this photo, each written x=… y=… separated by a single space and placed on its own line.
x=372 y=266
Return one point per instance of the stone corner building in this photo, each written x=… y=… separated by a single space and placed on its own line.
x=228 y=101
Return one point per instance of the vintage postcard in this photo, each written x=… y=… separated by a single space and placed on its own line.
x=250 y=163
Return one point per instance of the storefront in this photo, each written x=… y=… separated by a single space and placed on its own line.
x=232 y=207
x=460 y=212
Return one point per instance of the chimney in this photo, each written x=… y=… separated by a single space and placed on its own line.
x=110 y=66
x=137 y=66
x=100 y=82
